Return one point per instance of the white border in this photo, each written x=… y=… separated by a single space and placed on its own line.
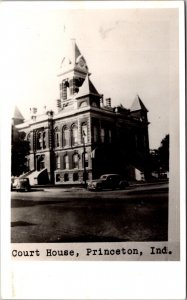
x=97 y=280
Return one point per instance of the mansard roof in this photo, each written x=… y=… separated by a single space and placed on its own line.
x=17 y=114
x=138 y=104
x=87 y=88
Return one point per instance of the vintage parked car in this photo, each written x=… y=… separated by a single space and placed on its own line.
x=14 y=181
x=23 y=184
x=107 y=181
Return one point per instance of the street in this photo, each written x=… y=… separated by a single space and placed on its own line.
x=52 y=215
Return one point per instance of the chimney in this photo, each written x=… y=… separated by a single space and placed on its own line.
x=33 y=112
x=59 y=104
x=108 y=102
x=50 y=114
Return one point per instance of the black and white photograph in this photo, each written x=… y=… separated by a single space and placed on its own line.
x=93 y=94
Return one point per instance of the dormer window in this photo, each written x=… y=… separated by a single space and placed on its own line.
x=94 y=104
x=83 y=104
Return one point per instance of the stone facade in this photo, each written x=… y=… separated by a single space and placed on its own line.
x=87 y=137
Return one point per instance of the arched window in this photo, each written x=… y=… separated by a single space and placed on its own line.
x=74 y=135
x=44 y=140
x=39 y=140
x=84 y=133
x=68 y=89
x=57 y=144
x=75 y=160
x=57 y=139
x=86 y=160
x=29 y=140
x=66 y=162
x=57 y=161
x=65 y=136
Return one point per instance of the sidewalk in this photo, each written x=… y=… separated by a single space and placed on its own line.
x=71 y=187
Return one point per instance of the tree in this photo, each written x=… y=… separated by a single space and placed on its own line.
x=154 y=161
x=19 y=151
x=163 y=153
x=159 y=158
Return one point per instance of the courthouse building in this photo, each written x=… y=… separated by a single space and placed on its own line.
x=86 y=137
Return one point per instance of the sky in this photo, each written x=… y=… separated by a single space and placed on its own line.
x=128 y=52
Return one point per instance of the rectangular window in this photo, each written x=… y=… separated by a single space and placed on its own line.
x=75 y=161
x=95 y=134
x=58 y=162
x=66 y=162
x=65 y=138
x=57 y=140
x=74 y=137
x=57 y=177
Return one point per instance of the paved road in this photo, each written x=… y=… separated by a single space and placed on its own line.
x=76 y=215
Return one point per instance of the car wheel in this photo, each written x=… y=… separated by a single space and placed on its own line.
x=123 y=185
x=98 y=189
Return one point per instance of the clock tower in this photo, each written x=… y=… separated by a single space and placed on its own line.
x=73 y=71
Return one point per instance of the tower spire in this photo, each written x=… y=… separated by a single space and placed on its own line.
x=17 y=117
x=73 y=72
x=138 y=104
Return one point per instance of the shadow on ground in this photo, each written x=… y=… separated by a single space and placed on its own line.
x=21 y=223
